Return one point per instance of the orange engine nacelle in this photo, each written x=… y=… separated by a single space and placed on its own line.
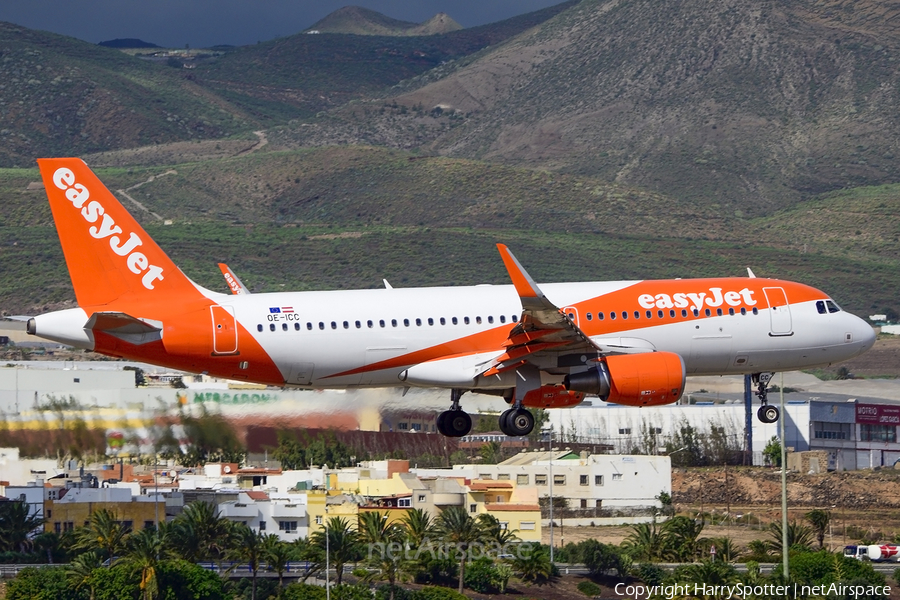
x=646 y=379
x=552 y=396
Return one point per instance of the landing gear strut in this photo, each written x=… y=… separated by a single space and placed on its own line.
x=454 y=422
x=766 y=413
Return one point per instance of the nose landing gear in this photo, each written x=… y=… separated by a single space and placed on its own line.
x=766 y=413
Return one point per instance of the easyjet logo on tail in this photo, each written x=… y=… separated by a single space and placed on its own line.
x=92 y=211
x=714 y=298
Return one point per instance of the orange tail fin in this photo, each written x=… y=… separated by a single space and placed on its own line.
x=109 y=255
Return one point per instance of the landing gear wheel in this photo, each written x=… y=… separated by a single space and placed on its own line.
x=517 y=422
x=768 y=414
x=454 y=423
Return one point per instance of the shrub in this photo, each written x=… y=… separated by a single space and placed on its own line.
x=481 y=576
x=650 y=574
x=589 y=588
x=42 y=584
x=437 y=593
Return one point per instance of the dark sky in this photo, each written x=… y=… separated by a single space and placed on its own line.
x=200 y=23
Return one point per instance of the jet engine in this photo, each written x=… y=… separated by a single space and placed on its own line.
x=645 y=379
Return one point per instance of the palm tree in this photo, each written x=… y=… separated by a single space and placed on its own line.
x=417 y=525
x=145 y=549
x=797 y=535
x=342 y=544
x=81 y=571
x=200 y=534
x=682 y=537
x=534 y=565
x=249 y=549
x=103 y=532
x=495 y=532
x=17 y=525
x=819 y=519
x=646 y=542
x=385 y=541
x=306 y=550
x=277 y=554
x=726 y=549
x=715 y=575
x=460 y=530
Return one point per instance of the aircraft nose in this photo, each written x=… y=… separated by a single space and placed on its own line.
x=863 y=335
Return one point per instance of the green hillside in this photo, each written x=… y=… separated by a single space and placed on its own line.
x=347 y=217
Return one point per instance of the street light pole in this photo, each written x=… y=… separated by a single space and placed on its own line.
x=784 y=516
x=550 y=448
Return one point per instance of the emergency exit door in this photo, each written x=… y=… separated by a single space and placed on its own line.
x=225 y=334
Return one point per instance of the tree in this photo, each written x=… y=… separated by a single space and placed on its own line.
x=417 y=525
x=17 y=526
x=104 y=533
x=249 y=549
x=490 y=453
x=385 y=542
x=198 y=533
x=494 y=532
x=277 y=554
x=600 y=559
x=797 y=535
x=819 y=519
x=772 y=452
x=646 y=542
x=459 y=529
x=681 y=537
x=145 y=549
x=342 y=544
x=534 y=565
x=80 y=572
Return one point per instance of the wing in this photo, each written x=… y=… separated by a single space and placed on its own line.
x=544 y=328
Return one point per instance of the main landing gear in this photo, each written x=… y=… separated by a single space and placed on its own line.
x=766 y=412
x=454 y=422
x=516 y=421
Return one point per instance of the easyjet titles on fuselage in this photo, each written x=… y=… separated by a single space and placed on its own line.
x=714 y=299
x=78 y=195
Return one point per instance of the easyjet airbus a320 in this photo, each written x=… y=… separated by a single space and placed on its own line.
x=629 y=342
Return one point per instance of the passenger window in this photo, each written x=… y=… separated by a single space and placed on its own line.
x=490 y=319
x=466 y=320
x=696 y=313
x=743 y=311
x=443 y=321
x=820 y=306
x=589 y=317
x=659 y=314
x=430 y=321
x=637 y=314
x=259 y=327
x=478 y=320
x=502 y=319
x=370 y=324
x=393 y=322
x=406 y=322
x=309 y=326
x=707 y=312
x=418 y=322
x=649 y=314
x=600 y=316
x=755 y=311
x=346 y=325
x=284 y=327
x=321 y=325
x=719 y=312
x=571 y=316
x=731 y=311
x=612 y=315
x=624 y=314
x=832 y=307
x=358 y=324
x=334 y=324
x=454 y=320
x=514 y=318
x=272 y=327
x=683 y=312
x=672 y=313
x=381 y=322
x=296 y=326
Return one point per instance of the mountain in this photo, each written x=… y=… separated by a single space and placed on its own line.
x=752 y=105
x=62 y=96
x=362 y=21
x=127 y=43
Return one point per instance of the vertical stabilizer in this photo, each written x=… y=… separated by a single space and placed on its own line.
x=109 y=256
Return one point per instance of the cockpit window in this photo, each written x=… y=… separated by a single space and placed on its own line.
x=820 y=306
x=832 y=307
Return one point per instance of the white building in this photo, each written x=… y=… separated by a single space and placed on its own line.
x=287 y=517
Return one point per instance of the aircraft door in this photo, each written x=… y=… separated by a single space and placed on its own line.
x=779 y=311
x=572 y=313
x=225 y=333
